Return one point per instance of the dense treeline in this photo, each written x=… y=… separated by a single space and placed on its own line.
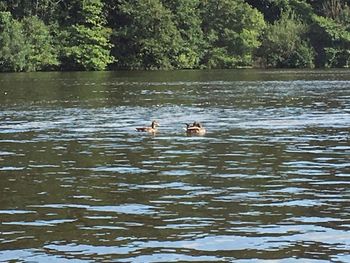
x=172 y=34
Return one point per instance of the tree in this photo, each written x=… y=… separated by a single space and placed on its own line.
x=271 y=9
x=12 y=44
x=148 y=37
x=333 y=44
x=172 y=34
x=86 y=43
x=45 y=10
x=187 y=19
x=284 y=44
x=232 y=30
x=25 y=45
x=41 y=54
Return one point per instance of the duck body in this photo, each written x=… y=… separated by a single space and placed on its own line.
x=151 y=129
x=195 y=128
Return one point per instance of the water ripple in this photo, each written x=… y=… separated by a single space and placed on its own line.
x=267 y=182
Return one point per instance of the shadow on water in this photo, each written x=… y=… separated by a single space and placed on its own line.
x=268 y=181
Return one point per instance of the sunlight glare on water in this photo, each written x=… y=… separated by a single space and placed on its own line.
x=268 y=181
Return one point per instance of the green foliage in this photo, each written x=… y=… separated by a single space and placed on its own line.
x=334 y=30
x=12 y=45
x=284 y=46
x=187 y=19
x=335 y=42
x=232 y=30
x=25 y=46
x=172 y=34
x=86 y=44
x=149 y=38
x=45 y=10
x=3 y=7
x=40 y=55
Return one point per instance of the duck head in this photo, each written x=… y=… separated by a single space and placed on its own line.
x=155 y=124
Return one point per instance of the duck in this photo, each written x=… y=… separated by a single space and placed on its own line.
x=195 y=128
x=151 y=129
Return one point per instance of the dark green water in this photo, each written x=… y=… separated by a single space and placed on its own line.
x=269 y=180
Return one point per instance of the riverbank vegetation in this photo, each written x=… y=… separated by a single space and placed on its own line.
x=38 y=35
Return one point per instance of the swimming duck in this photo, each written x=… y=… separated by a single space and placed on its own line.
x=151 y=129
x=195 y=128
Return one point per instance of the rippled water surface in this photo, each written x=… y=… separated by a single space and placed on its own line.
x=268 y=181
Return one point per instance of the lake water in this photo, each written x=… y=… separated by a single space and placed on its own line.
x=268 y=182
